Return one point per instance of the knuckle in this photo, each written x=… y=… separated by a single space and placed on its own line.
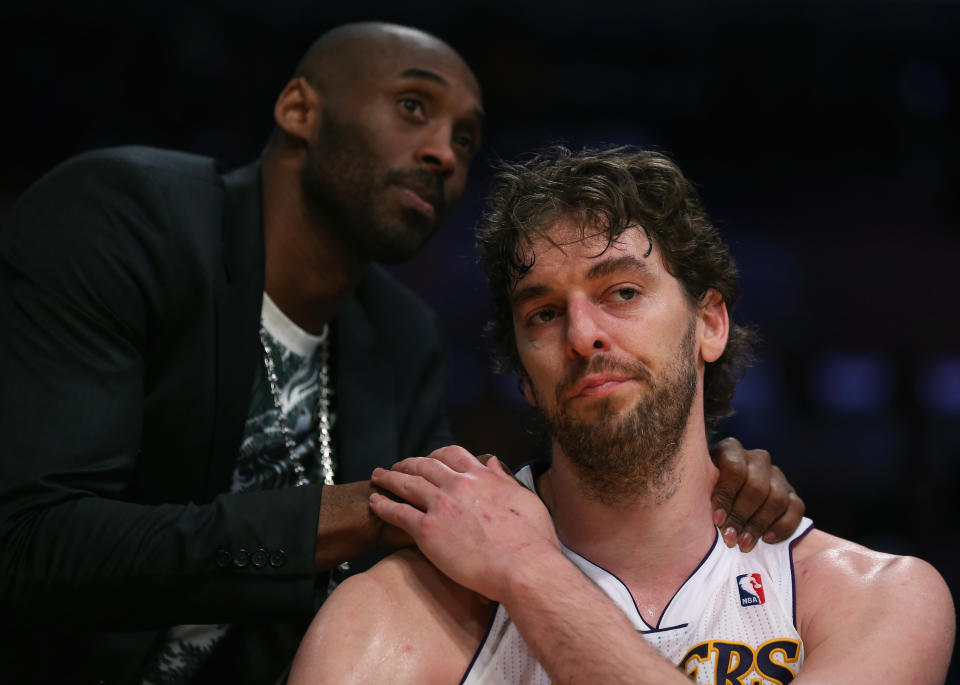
x=443 y=505
x=739 y=468
x=735 y=520
x=459 y=488
x=778 y=501
x=758 y=475
x=723 y=498
x=760 y=456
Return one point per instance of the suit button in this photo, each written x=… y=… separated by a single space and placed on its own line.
x=278 y=558
x=241 y=558
x=259 y=558
x=223 y=558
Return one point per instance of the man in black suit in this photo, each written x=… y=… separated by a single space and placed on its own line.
x=177 y=347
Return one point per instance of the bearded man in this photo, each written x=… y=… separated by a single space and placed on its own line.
x=612 y=294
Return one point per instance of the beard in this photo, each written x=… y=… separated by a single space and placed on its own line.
x=345 y=186
x=623 y=456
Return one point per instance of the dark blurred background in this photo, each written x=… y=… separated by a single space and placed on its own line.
x=823 y=136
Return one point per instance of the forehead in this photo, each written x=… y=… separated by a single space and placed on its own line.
x=422 y=58
x=571 y=247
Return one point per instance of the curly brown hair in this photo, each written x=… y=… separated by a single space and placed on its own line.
x=609 y=189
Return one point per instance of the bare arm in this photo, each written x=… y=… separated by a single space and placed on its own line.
x=401 y=622
x=867 y=617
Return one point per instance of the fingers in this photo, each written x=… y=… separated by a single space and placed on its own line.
x=412 y=482
x=753 y=498
x=749 y=515
x=773 y=508
x=399 y=514
x=730 y=458
x=455 y=457
x=417 y=480
x=784 y=526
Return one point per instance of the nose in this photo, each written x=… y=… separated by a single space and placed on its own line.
x=585 y=333
x=436 y=151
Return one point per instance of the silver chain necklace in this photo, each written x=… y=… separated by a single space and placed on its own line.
x=324 y=395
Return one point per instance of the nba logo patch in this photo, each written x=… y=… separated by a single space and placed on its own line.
x=751 y=589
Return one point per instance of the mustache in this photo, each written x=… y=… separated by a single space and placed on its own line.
x=601 y=364
x=424 y=182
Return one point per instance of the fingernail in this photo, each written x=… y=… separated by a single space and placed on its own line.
x=719 y=516
x=745 y=541
x=769 y=536
x=730 y=537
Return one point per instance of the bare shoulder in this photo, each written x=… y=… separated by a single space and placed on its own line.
x=822 y=560
x=401 y=621
x=854 y=599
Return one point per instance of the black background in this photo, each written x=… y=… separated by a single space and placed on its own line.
x=823 y=137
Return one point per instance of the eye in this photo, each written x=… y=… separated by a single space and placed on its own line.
x=542 y=316
x=624 y=294
x=465 y=142
x=412 y=107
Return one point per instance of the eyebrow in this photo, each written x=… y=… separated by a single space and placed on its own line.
x=531 y=292
x=598 y=270
x=624 y=263
x=426 y=74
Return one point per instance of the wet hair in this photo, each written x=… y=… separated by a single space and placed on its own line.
x=606 y=191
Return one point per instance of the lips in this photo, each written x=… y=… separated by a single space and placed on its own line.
x=420 y=199
x=598 y=385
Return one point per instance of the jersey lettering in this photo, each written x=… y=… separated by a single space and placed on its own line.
x=734 y=661
x=773 y=657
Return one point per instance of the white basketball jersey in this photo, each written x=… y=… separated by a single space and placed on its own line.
x=731 y=623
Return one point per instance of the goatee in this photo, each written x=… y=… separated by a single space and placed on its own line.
x=623 y=456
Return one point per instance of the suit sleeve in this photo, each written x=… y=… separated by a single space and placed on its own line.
x=82 y=284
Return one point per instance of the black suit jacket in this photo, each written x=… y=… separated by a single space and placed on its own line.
x=130 y=289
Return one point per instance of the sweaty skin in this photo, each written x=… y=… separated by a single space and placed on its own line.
x=485 y=532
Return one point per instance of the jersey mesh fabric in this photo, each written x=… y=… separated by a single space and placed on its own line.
x=720 y=627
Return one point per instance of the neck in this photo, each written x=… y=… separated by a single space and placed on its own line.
x=309 y=271
x=652 y=543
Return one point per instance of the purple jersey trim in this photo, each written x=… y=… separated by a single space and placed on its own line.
x=716 y=539
x=486 y=636
x=793 y=575
x=538 y=466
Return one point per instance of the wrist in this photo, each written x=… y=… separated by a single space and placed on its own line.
x=541 y=568
x=346 y=528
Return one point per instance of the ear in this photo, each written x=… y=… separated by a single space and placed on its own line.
x=715 y=325
x=297 y=110
x=526 y=387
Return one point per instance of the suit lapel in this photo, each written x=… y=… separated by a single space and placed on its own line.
x=365 y=395
x=238 y=302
